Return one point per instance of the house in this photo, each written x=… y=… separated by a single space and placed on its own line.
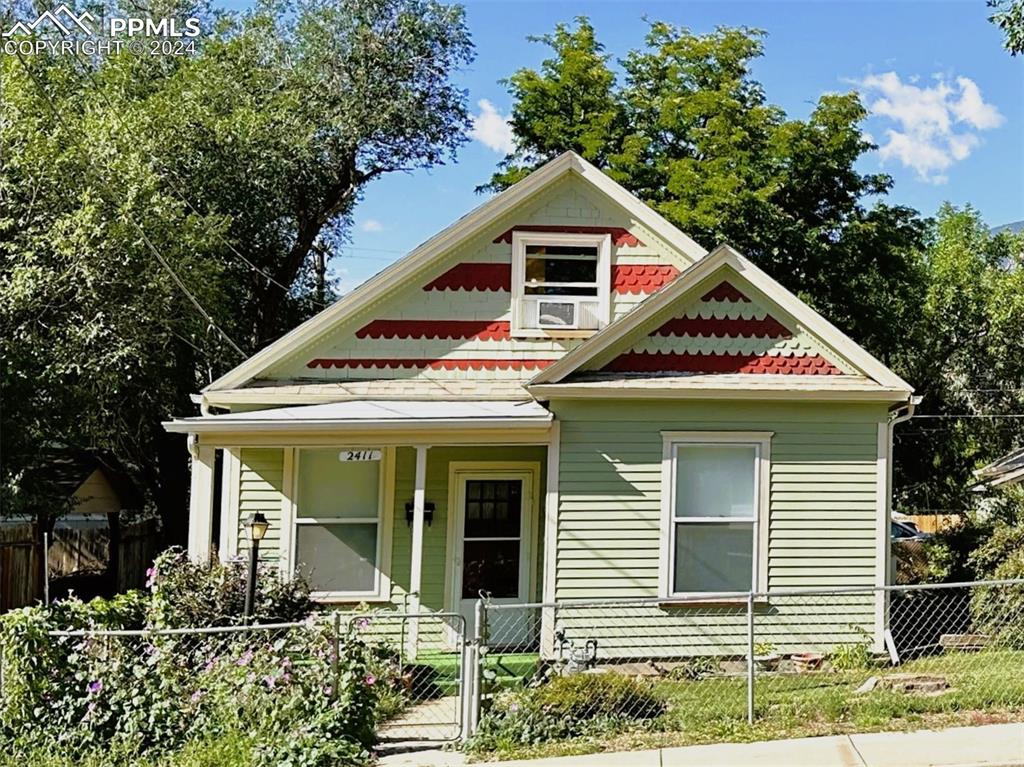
x=1002 y=472
x=559 y=397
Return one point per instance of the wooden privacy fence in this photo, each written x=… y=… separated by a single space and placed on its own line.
x=119 y=561
x=21 y=570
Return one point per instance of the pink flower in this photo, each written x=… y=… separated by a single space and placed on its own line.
x=197 y=696
x=370 y=680
x=363 y=623
x=95 y=687
x=246 y=657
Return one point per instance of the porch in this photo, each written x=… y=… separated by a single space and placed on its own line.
x=416 y=505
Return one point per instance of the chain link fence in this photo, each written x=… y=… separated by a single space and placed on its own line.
x=779 y=656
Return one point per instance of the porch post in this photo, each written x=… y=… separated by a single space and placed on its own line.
x=200 y=501
x=548 y=615
x=419 y=496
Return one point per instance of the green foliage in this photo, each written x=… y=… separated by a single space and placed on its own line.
x=704 y=666
x=567 y=707
x=267 y=698
x=234 y=163
x=141 y=697
x=185 y=593
x=690 y=131
x=968 y=359
x=1008 y=15
x=851 y=657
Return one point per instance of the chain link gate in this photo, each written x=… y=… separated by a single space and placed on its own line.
x=427 y=654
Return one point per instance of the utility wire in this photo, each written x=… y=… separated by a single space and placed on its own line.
x=164 y=172
x=138 y=227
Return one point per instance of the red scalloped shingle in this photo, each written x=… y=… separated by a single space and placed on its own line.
x=620 y=237
x=769 y=364
x=482 y=330
x=724 y=292
x=446 y=364
x=716 y=327
x=473 y=276
x=642 y=278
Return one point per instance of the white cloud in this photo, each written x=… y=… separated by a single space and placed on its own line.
x=492 y=129
x=372 y=225
x=936 y=125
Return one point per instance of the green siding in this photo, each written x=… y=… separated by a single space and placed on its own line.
x=261 y=489
x=435 y=537
x=821 y=518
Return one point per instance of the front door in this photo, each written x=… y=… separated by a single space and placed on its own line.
x=492 y=549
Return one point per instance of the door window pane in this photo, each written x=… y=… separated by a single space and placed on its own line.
x=337 y=557
x=713 y=556
x=490 y=566
x=715 y=481
x=329 y=487
x=493 y=508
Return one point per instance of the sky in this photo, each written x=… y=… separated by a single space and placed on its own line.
x=946 y=101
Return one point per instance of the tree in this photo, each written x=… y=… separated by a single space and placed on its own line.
x=691 y=132
x=1008 y=15
x=158 y=214
x=970 y=362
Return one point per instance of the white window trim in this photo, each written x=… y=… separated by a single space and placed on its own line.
x=603 y=243
x=458 y=473
x=761 y=442
x=385 y=499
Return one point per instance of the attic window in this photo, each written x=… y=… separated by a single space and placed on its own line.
x=560 y=282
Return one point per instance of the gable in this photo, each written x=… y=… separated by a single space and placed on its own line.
x=452 y=322
x=461 y=277
x=726 y=330
x=723 y=325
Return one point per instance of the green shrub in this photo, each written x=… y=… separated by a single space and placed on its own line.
x=277 y=697
x=998 y=611
x=566 y=707
x=185 y=593
x=851 y=657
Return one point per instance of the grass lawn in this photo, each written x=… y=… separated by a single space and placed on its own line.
x=985 y=687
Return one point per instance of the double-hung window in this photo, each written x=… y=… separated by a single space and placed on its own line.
x=339 y=530
x=714 y=510
x=560 y=282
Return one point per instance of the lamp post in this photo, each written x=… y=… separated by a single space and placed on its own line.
x=257 y=524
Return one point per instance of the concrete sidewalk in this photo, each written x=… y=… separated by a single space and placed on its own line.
x=993 y=745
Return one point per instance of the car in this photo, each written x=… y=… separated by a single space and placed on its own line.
x=901 y=530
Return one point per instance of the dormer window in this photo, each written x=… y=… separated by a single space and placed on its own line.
x=560 y=283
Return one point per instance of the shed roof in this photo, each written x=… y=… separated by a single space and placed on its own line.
x=372 y=414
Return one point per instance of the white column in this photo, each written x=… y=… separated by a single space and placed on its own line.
x=200 y=502
x=419 y=499
x=547 y=617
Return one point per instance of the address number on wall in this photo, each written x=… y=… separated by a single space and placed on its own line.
x=359 y=455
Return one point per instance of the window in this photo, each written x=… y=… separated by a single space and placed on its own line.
x=561 y=282
x=715 y=494
x=338 y=527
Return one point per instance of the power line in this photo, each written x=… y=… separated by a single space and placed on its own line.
x=181 y=196
x=971 y=415
x=152 y=248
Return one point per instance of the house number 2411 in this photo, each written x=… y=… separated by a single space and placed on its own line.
x=359 y=455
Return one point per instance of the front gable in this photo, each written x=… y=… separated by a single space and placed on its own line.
x=449 y=319
x=725 y=330
x=723 y=325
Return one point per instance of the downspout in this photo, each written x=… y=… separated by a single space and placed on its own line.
x=897 y=415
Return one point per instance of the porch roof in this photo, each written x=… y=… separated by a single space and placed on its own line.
x=371 y=415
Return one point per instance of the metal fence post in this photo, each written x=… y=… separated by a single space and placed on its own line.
x=336 y=655
x=750 y=657
x=479 y=653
